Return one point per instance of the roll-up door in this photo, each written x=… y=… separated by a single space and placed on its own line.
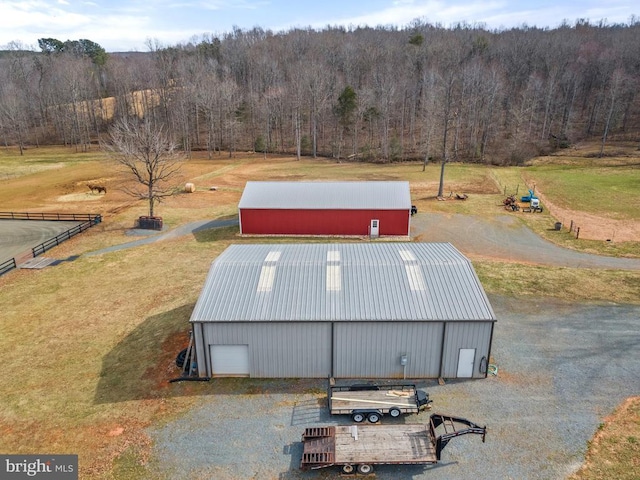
x=232 y=360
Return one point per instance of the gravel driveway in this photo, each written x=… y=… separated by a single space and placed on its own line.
x=561 y=369
x=501 y=236
x=504 y=237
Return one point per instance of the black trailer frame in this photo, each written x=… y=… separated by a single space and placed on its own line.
x=413 y=400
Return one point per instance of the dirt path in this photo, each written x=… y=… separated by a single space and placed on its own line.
x=593 y=227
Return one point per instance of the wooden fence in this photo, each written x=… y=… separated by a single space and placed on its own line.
x=52 y=217
x=8 y=265
x=88 y=220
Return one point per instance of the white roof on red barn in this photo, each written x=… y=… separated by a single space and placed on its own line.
x=376 y=195
x=342 y=282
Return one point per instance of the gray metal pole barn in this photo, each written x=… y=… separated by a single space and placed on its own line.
x=373 y=310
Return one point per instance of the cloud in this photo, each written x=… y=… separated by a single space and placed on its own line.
x=492 y=14
x=123 y=25
x=404 y=11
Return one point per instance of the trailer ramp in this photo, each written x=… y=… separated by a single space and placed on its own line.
x=319 y=447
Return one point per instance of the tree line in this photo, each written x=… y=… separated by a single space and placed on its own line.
x=464 y=93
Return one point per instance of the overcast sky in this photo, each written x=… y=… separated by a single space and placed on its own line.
x=126 y=25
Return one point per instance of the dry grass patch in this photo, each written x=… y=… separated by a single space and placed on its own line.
x=614 y=451
x=102 y=335
x=571 y=284
x=95 y=338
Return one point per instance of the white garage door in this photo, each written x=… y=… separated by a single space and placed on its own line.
x=232 y=360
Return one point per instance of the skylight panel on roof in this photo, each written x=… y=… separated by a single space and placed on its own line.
x=333 y=256
x=267 y=276
x=334 y=279
x=268 y=271
x=416 y=280
x=334 y=273
x=273 y=256
x=413 y=270
x=407 y=255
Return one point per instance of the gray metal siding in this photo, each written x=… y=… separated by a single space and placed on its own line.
x=276 y=349
x=375 y=195
x=466 y=335
x=373 y=349
x=202 y=357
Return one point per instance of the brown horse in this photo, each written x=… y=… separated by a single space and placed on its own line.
x=97 y=188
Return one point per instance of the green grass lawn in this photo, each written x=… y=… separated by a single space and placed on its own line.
x=608 y=190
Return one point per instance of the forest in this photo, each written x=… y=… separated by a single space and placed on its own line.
x=422 y=92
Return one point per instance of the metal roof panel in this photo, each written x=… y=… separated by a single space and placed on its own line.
x=377 y=195
x=363 y=282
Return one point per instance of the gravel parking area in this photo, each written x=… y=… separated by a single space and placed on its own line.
x=561 y=369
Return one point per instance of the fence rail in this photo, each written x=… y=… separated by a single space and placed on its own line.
x=62 y=217
x=58 y=239
x=88 y=221
x=8 y=265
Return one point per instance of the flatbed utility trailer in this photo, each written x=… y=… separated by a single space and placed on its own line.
x=372 y=401
x=357 y=448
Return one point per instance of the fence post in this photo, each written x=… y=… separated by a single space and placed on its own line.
x=577 y=232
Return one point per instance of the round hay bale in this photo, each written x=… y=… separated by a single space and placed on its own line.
x=189 y=188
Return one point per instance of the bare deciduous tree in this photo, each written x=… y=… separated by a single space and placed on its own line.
x=147 y=153
x=463 y=93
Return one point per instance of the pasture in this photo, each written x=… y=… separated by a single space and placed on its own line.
x=92 y=342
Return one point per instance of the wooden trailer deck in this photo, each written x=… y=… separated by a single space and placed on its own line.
x=346 y=401
x=369 y=444
x=384 y=444
x=362 y=446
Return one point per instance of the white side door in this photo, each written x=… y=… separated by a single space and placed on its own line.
x=466 y=359
x=374 y=229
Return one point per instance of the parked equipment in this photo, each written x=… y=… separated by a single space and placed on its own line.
x=370 y=401
x=360 y=447
x=510 y=203
x=528 y=198
x=534 y=206
x=529 y=203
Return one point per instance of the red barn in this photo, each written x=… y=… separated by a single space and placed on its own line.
x=325 y=208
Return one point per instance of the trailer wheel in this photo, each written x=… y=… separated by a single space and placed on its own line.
x=358 y=417
x=394 y=412
x=365 y=468
x=348 y=468
x=373 y=418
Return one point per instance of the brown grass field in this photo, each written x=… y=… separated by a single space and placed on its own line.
x=90 y=344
